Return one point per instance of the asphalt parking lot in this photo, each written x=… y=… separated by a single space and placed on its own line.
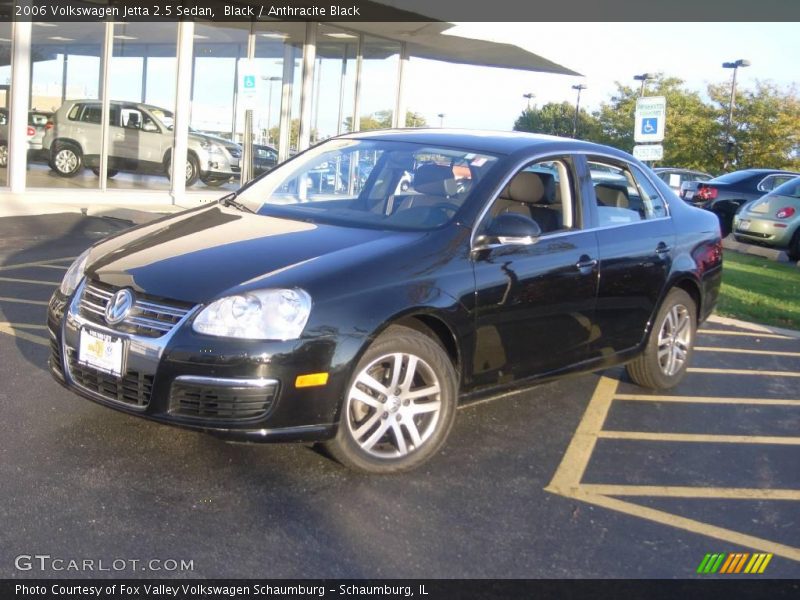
x=585 y=477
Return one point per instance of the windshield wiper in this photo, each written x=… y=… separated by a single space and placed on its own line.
x=230 y=200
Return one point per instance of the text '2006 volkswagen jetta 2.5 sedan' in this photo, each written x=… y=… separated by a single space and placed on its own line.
x=328 y=302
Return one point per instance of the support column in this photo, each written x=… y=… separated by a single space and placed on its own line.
x=284 y=133
x=399 y=117
x=306 y=86
x=183 y=109
x=20 y=90
x=105 y=101
x=357 y=92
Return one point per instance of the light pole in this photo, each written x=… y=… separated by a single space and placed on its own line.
x=441 y=119
x=644 y=78
x=578 y=87
x=530 y=96
x=270 y=80
x=728 y=141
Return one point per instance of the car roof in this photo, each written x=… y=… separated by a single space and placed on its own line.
x=678 y=170
x=492 y=142
x=127 y=102
x=764 y=171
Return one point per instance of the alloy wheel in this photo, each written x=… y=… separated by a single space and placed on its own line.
x=394 y=405
x=674 y=340
x=66 y=161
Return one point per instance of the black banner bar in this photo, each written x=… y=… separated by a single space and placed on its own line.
x=402 y=10
x=429 y=589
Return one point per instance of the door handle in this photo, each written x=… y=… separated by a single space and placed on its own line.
x=662 y=248
x=586 y=263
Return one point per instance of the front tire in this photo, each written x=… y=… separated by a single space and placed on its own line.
x=3 y=154
x=192 y=169
x=400 y=404
x=669 y=349
x=109 y=172
x=67 y=160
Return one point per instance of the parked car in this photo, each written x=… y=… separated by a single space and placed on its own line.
x=34 y=132
x=675 y=177
x=724 y=195
x=265 y=158
x=140 y=142
x=361 y=319
x=773 y=220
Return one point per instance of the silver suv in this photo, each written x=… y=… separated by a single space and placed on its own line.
x=140 y=140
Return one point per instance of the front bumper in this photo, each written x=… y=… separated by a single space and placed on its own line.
x=240 y=390
x=218 y=164
x=760 y=230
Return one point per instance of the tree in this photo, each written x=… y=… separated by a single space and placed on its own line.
x=382 y=119
x=556 y=119
x=766 y=125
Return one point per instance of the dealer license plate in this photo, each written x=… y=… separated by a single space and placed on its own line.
x=101 y=351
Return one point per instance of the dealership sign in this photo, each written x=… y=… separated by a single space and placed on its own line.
x=651 y=117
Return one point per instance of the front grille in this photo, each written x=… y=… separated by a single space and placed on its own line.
x=150 y=316
x=206 y=401
x=134 y=388
x=55 y=357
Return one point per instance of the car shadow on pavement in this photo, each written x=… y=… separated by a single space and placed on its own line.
x=35 y=253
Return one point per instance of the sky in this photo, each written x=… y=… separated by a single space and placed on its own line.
x=604 y=53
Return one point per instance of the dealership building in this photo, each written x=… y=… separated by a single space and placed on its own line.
x=307 y=81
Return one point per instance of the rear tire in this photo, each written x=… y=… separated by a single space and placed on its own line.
x=399 y=406
x=793 y=251
x=669 y=349
x=3 y=154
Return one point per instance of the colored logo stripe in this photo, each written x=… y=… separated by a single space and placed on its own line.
x=734 y=563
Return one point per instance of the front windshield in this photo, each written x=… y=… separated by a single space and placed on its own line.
x=371 y=183
x=164 y=116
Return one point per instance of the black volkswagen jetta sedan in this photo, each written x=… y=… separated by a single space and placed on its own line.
x=359 y=313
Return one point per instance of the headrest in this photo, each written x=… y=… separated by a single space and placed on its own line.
x=434 y=180
x=611 y=195
x=531 y=188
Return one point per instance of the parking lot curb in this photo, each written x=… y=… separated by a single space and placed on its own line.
x=754 y=326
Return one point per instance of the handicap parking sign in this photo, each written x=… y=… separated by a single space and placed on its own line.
x=249 y=81
x=649 y=126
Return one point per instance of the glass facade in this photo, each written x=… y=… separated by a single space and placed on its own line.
x=105 y=94
x=5 y=89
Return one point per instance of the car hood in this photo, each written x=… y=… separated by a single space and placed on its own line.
x=214 y=138
x=199 y=255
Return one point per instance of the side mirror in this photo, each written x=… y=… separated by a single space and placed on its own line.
x=510 y=228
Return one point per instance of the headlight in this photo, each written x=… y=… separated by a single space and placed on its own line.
x=74 y=274
x=210 y=147
x=260 y=315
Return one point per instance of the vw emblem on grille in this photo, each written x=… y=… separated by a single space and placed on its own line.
x=119 y=306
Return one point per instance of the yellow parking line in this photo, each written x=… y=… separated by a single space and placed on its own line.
x=674 y=491
x=37 y=263
x=690 y=525
x=744 y=372
x=24 y=335
x=707 y=400
x=570 y=472
x=23 y=325
x=37 y=281
x=699 y=437
x=774 y=336
x=745 y=351
x=24 y=301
